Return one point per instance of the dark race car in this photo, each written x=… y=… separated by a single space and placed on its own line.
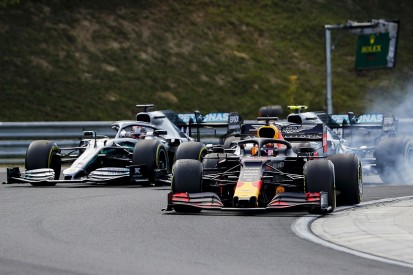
x=265 y=173
x=375 y=139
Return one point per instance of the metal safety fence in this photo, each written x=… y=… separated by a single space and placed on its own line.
x=15 y=137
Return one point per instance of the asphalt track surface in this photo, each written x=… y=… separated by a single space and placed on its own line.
x=98 y=229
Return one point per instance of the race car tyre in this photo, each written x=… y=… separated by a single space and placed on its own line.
x=210 y=161
x=297 y=146
x=43 y=154
x=319 y=177
x=187 y=178
x=270 y=111
x=229 y=140
x=191 y=150
x=394 y=160
x=153 y=156
x=348 y=178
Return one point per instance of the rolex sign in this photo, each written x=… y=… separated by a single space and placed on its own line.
x=374 y=51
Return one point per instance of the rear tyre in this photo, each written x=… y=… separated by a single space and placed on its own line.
x=211 y=161
x=187 y=178
x=191 y=150
x=43 y=154
x=348 y=178
x=319 y=177
x=152 y=155
x=394 y=160
x=229 y=140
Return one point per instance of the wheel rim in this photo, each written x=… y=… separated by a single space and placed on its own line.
x=162 y=159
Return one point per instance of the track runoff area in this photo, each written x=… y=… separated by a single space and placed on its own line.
x=380 y=230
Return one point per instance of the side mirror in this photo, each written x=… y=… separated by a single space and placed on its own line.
x=89 y=134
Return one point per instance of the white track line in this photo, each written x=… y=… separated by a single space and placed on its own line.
x=301 y=227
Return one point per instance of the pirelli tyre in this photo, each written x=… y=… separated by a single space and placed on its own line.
x=319 y=177
x=153 y=156
x=43 y=154
x=348 y=178
x=228 y=143
x=187 y=178
x=270 y=111
x=394 y=160
x=191 y=150
x=210 y=161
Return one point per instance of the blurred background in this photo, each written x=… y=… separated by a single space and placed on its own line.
x=84 y=60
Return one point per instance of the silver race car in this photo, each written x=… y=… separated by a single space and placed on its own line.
x=142 y=151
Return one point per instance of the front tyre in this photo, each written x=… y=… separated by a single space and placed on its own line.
x=187 y=178
x=191 y=150
x=348 y=178
x=43 y=154
x=319 y=177
x=394 y=160
x=152 y=155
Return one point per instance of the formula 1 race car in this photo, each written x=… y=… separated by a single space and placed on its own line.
x=372 y=137
x=300 y=129
x=264 y=173
x=142 y=151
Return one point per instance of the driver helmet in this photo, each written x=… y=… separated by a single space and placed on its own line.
x=138 y=132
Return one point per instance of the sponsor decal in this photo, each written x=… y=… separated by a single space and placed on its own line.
x=277 y=165
x=339 y=118
x=211 y=117
x=250 y=174
x=297 y=128
x=370 y=118
x=234 y=121
x=362 y=119
x=371 y=48
x=304 y=136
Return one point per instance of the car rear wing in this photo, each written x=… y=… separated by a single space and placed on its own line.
x=211 y=124
x=303 y=132
x=316 y=132
x=386 y=121
x=365 y=128
x=291 y=132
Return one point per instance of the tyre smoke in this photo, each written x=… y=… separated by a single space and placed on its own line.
x=394 y=157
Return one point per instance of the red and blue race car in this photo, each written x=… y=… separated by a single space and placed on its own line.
x=264 y=173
